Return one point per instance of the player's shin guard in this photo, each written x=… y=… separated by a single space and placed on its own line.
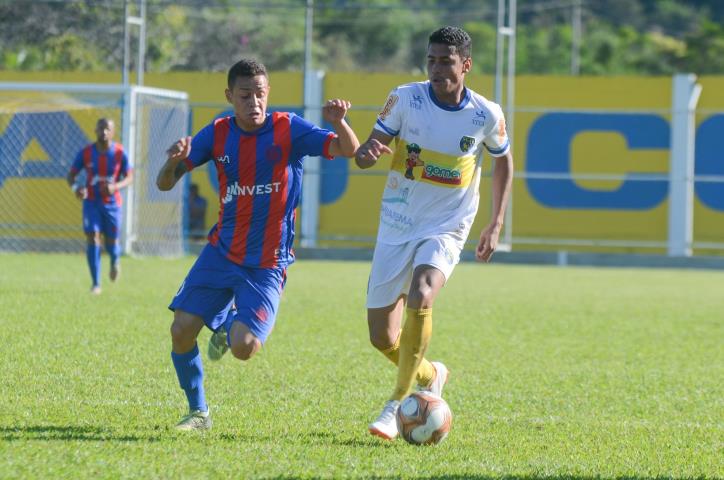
x=113 y=247
x=190 y=373
x=413 y=342
x=93 y=254
x=425 y=372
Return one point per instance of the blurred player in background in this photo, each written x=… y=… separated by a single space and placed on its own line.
x=426 y=217
x=196 y=213
x=107 y=171
x=258 y=158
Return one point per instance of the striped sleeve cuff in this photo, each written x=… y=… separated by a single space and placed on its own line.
x=384 y=128
x=189 y=164
x=327 y=143
x=499 y=152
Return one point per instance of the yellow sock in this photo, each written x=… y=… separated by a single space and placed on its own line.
x=413 y=342
x=425 y=372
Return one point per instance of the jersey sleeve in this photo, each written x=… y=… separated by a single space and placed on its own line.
x=496 y=138
x=77 y=164
x=389 y=120
x=309 y=139
x=201 y=148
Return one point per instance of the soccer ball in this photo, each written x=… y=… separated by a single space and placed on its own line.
x=424 y=418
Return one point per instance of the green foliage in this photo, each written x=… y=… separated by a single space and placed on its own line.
x=556 y=373
x=656 y=37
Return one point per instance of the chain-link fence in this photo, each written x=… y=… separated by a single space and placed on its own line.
x=44 y=126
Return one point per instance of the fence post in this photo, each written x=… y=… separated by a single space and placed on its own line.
x=311 y=185
x=685 y=95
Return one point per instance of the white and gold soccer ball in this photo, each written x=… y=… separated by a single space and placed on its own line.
x=424 y=418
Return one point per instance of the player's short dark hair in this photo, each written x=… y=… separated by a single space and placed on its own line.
x=413 y=147
x=454 y=36
x=245 y=68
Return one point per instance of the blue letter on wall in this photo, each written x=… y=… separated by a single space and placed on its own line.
x=709 y=161
x=548 y=151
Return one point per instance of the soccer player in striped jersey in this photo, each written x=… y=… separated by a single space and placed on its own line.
x=441 y=129
x=235 y=284
x=107 y=171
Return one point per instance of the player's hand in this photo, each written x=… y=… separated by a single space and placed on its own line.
x=81 y=193
x=107 y=188
x=488 y=242
x=335 y=110
x=371 y=150
x=180 y=150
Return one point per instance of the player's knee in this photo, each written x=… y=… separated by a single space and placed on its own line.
x=382 y=340
x=421 y=296
x=181 y=331
x=93 y=239
x=246 y=349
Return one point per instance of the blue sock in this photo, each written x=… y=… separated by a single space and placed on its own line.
x=190 y=373
x=113 y=248
x=93 y=254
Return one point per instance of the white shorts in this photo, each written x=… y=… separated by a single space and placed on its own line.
x=392 y=266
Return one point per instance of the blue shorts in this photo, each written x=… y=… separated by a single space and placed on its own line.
x=215 y=283
x=99 y=217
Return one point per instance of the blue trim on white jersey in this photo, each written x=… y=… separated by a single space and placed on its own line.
x=387 y=130
x=498 y=151
x=449 y=108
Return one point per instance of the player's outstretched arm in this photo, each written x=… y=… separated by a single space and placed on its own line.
x=502 y=181
x=346 y=142
x=376 y=145
x=174 y=168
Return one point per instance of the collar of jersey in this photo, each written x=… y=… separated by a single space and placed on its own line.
x=262 y=129
x=449 y=108
x=110 y=147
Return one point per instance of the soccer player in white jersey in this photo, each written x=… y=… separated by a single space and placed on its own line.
x=440 y=128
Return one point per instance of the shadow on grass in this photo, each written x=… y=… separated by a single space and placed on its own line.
x=64 y=433
x=310 y=438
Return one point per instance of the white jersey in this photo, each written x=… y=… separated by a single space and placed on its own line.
x=432 y=187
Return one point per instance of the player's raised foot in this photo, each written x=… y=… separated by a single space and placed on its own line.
x=115 y=271
x=95 y=290
x=217 y=345
x=438 y=383
x=195 y=420
x=386 y=424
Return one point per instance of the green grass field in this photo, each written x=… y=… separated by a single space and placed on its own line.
x=556 y=373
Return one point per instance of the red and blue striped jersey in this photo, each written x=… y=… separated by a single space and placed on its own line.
x=99 y=167
x=260 y=182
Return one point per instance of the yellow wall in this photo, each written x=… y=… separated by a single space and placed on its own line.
x=354 y=209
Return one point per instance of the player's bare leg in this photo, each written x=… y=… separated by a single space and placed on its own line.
x=187 y=361
x=244 y=344
x=408 y=347
x=384 y=327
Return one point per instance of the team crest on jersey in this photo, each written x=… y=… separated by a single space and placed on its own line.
x=273 y=153
x=389 y=104
x=413 y=160
x=466 y=143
